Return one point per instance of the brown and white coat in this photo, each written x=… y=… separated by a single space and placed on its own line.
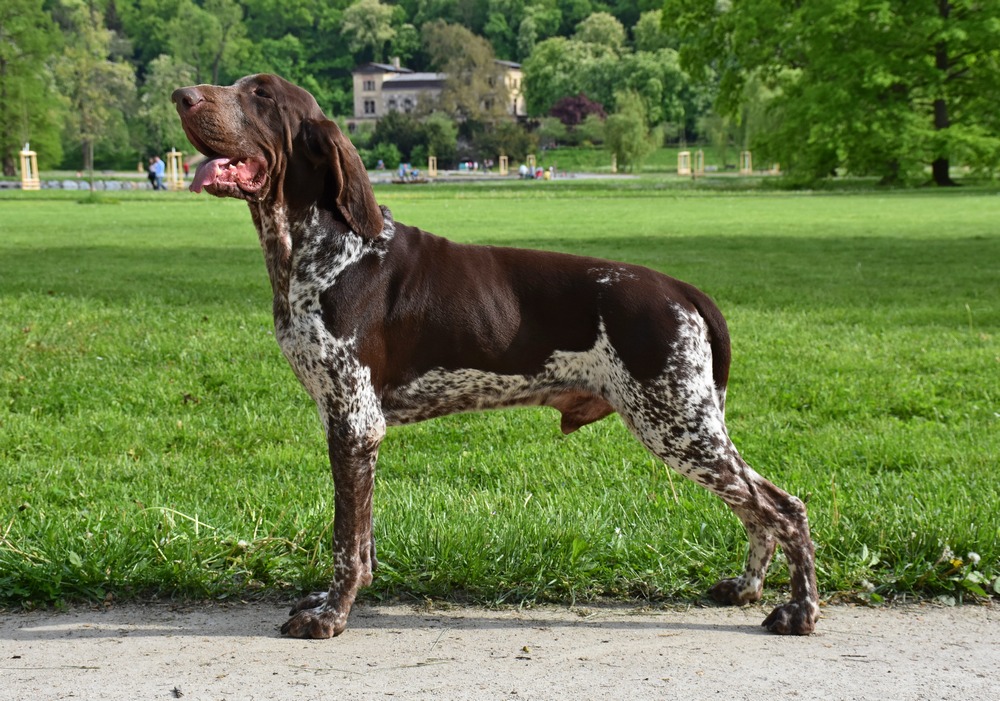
x=385 y=324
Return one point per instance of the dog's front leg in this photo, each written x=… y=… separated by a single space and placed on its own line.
x=353 y=452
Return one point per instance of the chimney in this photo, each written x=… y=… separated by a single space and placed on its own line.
x=395 y=62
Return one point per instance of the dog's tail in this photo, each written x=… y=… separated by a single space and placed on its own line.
x=718 y=338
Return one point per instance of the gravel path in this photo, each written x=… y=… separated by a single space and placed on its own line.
x=398 y=651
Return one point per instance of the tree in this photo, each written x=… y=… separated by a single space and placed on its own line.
x=475 y=88
x=572 y=110
x=651 y=34
x=559 y=67
x=573 y=12
x=367 y=26
x=293 y=39
x=147 y=24
x=157 y=114
x=441 y=138
x=503 y=19
x=28 y=104
x=883 y=88
x=100 y=87
x=551 y=132
x=603 y=29
x=399 y=128
x=208 y=37
x=506 y=138
x=541 y=20
x=591 y=130
x=625 y=132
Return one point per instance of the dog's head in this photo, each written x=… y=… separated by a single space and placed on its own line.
x=267 y=140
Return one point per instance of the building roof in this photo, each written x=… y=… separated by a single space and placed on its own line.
x=414 y=80
x=381 y=68
x=509 y=64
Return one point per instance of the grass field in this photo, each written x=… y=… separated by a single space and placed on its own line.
x=153 y=441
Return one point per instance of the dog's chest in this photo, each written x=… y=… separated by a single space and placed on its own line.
x=326 y=364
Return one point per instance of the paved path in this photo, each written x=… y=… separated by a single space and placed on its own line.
x=403 y=652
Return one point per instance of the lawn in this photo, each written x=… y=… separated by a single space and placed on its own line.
x=154 y=441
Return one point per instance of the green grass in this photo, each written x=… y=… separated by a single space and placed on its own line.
x=596 y=159
x=153 y=441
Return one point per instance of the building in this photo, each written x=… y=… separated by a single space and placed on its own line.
x=380 y=88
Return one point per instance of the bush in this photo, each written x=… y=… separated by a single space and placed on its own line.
x=440 y=139
x=552 y=132
x=591 y=130
x=572 y=111
x=504 y=138
x=387 y=153
x=402 y=130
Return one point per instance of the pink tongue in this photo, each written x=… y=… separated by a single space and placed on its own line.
x=208 y=173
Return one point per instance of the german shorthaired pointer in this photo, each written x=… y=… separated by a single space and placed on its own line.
x=385 y=324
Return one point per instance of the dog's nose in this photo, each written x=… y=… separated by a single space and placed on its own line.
x=186 y=98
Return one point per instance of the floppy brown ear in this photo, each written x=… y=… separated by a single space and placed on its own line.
x=352 y=193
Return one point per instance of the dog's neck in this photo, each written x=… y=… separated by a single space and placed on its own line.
x=275 y=235
x=316 y=244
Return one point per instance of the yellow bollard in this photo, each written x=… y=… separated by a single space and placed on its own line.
x=175 y=171
x=684 y=163
x=698 y=170
x=29 y=170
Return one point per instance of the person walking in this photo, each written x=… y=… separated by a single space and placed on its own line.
x=159 y=168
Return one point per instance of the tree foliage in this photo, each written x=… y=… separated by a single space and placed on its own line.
x=98 y=84
x=367 y=28
x=561 y=67
x=573 y=109
x=625 y=132
x=601 y=28
x=474 y=88
x=28 y=104
x=886 y=87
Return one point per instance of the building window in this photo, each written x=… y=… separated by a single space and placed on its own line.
x=369 y=106
x=369 y=86
x=408 y=105
x=393 y=106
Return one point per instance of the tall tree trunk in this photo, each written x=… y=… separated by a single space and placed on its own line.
x=941 y=167
x=88 y=154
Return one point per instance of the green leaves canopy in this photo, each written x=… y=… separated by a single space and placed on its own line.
x=881 y=87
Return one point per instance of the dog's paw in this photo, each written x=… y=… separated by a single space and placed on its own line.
x=315 y=623
x=315 y=600
x=733 y=592
x=793 y=618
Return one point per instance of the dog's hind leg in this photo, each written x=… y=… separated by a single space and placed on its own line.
x=771 y=516
x=679 y=418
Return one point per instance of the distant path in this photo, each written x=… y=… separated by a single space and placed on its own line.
x=402 y=652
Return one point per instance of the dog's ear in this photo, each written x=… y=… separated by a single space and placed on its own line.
x=327 y=146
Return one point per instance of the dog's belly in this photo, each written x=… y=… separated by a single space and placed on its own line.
x=576 y=383
x=440 y=392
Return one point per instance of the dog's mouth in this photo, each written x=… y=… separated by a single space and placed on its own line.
x=242 y=177
x=231 y=177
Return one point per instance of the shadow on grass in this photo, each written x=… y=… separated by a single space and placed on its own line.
x=781 y=273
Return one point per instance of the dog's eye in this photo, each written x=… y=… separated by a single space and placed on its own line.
x=261 y=92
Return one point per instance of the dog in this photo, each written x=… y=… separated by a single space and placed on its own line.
x=385 y=324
